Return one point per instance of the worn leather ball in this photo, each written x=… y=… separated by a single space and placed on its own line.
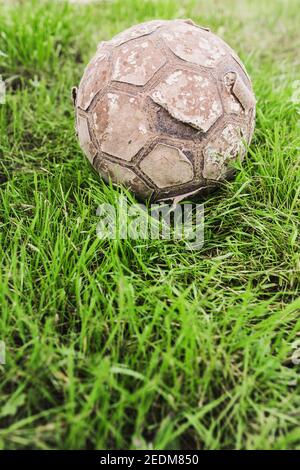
x=164 y=108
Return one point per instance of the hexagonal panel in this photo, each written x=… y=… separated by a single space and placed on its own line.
x=189 y=97
x=167 y=166
x=120 y=125
x=137 y=61
x=95 y=78
x=217 y=154
x=122 y=175
x=193 y=44
x=137 y=31
x=85 y=139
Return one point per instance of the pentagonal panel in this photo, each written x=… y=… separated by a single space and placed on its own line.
x=167 y=166
x=120 y=125
x=193 y=44
x=122 y=175
x=85 y=139
x=95 y=78
x=137 y=61
x=218 y=153
x=189 y=97
x=136 y=31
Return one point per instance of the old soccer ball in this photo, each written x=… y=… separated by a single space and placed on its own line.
x=164 y=108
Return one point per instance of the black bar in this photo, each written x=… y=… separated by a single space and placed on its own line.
x=133 y=459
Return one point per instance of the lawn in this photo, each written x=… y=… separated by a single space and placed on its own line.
x=142 y=343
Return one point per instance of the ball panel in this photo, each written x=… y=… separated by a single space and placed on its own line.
x=167 y=166
x=242 y=69
x=251 y=126
x=164 y=124
x=242 y=93
x=193 y=44
x=85 y=139
x=143 y=29
x=237 y=95
x=95 y=78
x=120 y=174
x=230 y=102
x=232 y=63
x=120 y=125
x=137 y=61
x=189 y=97
x=218 y=153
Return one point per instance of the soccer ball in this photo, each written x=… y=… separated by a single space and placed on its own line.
x=164 y=108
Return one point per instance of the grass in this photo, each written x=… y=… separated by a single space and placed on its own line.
x=143 y=344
